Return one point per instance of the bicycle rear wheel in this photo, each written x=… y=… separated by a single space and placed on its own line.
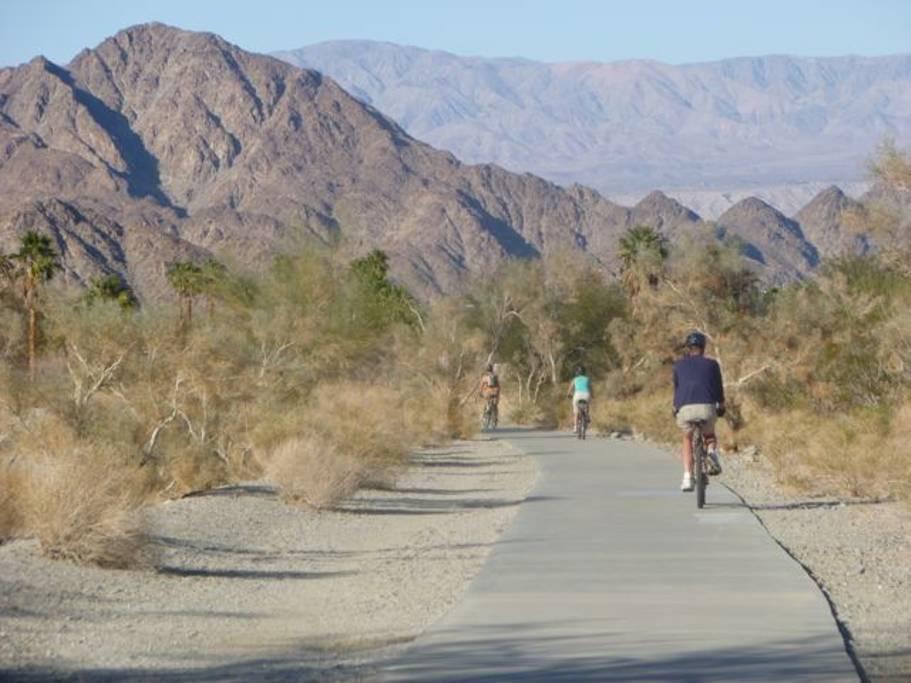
x=699 y=468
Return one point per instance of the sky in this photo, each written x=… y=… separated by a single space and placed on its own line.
x=674 y=31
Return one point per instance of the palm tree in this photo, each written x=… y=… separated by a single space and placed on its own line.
x=643 y=251
x=186 y=278
x=110 y=288
x=36 y=263
x=212 y=275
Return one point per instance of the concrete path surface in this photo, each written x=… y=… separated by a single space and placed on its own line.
x=610 y=573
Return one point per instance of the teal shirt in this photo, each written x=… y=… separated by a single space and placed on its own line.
x=582 y=385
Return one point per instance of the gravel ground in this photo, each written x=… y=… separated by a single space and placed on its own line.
x=248 y=588
x=858 y=551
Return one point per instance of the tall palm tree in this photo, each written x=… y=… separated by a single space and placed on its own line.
x=187 y=279
x=643 y=251
x=36 y=263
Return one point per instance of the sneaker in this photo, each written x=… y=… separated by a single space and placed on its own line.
x=714 y=462
x=687 y=483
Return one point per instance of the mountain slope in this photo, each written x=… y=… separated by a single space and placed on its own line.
x=166 y=143
x=769 y=237
x=632 y=126
x=823 y=221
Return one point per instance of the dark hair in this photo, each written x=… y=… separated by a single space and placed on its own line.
x=490 y=367
x=580 y=369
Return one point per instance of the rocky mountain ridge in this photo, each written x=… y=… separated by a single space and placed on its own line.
x=777 y=126
x=162 y=144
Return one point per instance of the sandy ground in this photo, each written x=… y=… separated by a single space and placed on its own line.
x=249 y=588
x=858 y=551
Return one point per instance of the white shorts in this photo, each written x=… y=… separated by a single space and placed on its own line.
x=581 y=396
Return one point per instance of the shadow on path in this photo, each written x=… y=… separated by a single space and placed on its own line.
x=248 y=573
x=505 y=654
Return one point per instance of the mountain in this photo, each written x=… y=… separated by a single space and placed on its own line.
x=769 y=237
x=788 y=198
x=163 y=144
x=824 y=222
x=748 y=125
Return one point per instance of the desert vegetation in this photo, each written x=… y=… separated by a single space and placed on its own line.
x=817 y=373
x=321 y=374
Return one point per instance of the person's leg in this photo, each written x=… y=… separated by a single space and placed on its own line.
x=687 y=453
x=711 y=448
x=687 y=483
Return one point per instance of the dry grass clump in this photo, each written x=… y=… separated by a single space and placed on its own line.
x=366 y=420
x=354 y=435
x=551 y=410
x=312 y=471
x=859 y=455
x=462 y=418
x=84 y=512
x=12 y=522
x=523 y=412
x=646 y=414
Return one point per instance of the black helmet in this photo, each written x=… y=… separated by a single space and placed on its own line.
x=490 y=367
x=580 y=369
x=695 y=339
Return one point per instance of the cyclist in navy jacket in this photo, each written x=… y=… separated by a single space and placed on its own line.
x=698 y=395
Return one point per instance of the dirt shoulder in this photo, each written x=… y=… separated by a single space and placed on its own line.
x=858 y=551
x=248 y=587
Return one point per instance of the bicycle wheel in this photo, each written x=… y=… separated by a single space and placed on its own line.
x=583 y=418
x=699 y=467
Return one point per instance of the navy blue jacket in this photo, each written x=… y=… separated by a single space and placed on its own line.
x=697 y=379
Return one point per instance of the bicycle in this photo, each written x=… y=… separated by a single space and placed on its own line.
x=582 y=419
x=490 y=416
x=700 y=462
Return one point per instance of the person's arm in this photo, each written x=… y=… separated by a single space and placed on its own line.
x=572 y=388
x=676 y=382
x=719 y=389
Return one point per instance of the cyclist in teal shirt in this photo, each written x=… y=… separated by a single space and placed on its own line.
x=581 y=390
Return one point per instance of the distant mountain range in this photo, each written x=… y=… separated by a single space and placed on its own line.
x=162 y=144
x=709 y=134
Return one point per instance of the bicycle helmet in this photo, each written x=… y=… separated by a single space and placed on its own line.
x=695 y=339
x=580 y=370
x=490 y=367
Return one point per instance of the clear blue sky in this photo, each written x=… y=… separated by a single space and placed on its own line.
x=674 y=31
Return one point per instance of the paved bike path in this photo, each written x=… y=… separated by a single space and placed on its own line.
x=609 y=573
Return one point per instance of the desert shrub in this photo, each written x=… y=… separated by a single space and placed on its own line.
x=102 y=524
x=646 y=414
x=776 y=392
x=524 y=412
x=351 y=435
x=366 y=420
x=855 y=455
x=312 y=471
x=12 y=483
